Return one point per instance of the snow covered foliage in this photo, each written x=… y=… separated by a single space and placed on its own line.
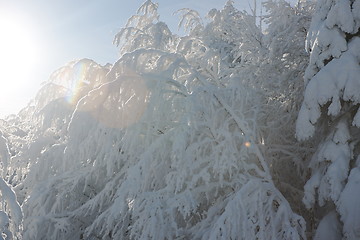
x=329 y=228
x=71 y=82
x=234 y=35
x=329 y=113
x=11 y=214
x=43 y=123
x=193 y=137
x=164 y=146
x=144 y=30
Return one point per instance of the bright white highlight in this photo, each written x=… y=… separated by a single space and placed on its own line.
x=19 y=56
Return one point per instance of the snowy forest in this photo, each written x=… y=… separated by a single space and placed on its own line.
x=247 y=127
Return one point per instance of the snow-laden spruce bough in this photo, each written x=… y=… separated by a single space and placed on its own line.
x=193 y=137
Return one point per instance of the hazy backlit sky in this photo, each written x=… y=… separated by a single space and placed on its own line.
x=39 y=36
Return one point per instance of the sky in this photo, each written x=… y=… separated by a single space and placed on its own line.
x=39 y=36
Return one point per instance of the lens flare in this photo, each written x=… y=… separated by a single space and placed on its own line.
x=117 y=104
x=78 y=83
x=247 y=144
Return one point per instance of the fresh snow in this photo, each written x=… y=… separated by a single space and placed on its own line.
x=234 y=131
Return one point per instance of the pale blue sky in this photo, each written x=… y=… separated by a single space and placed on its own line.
x=75 y=29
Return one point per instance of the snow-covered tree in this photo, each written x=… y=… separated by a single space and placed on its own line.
x=167 y=147
x=43 y=123
x=11 y=215
x=237 y=53
x=193 y=137
x=144 y=30
x=329 y=113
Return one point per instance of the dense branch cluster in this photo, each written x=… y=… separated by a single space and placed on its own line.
x=196 y=136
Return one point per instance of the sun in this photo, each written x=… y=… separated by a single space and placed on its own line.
x=19 y=57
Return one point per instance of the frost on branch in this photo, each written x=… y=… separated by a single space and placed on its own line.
x=329 y=113
x=4 y=154
x=71 y=82
x=194 y=170
x=188 y=160
x=348 y=205
x=11 y=215
x=330 y=166
x=329 y=228
x=260 y=216
x=144 y=30
x=47 y=118
x=190 y=20
x=337 y=81
x=179 y=139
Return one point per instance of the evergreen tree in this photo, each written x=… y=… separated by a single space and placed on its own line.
x=329 y=113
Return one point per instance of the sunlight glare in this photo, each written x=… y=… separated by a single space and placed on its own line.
x=119 y=103
x=19 y=58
